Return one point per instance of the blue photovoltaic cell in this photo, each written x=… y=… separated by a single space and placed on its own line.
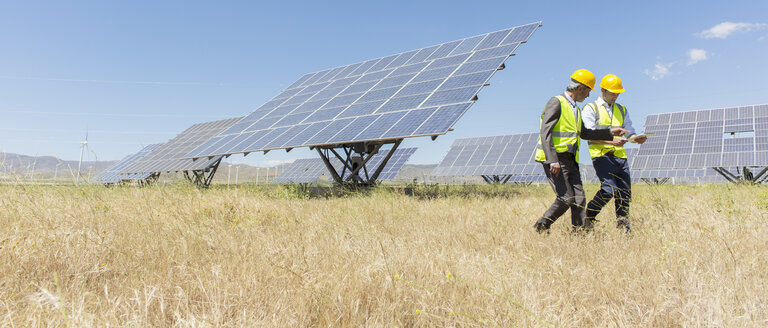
x=326 y=133
x=381 y=125
x=410 y=122
x=169 y=157
x=442 y=119
x=696 y=140
x=353 y=129
x=310 y=169
x=396 y=104
x=113 y=174
x=411 y=81
x=308 y=132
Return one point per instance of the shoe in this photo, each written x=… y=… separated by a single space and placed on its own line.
x=623 y=223
x=541 y=226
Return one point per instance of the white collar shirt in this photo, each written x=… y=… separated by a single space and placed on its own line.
x=590 y=119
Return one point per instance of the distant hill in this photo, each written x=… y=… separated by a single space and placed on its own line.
x=45 y=167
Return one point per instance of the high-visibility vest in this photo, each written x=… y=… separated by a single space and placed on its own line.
x=565 y=134
x=604 y=121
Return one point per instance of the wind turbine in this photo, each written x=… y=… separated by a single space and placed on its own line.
x=83 y=144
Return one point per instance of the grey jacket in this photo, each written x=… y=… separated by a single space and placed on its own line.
x=548 y=120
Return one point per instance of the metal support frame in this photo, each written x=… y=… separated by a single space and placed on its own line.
x=152 y=178
x=655 y=181
x=496 y=179
x=353 y=160
x=202 y=178
x=743 y=175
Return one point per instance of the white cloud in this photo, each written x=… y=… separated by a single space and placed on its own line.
x=725 y=29
x=659 y=71
x=696 y=55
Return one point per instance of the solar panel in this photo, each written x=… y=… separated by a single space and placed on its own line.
x=496 y=155
x=170 y=156
x=113 y=174
x=305 y=170
x=421 y=92
x=394 y=164
x=704 y=175
x=308 y=170
x=722 y=137
x=588 y=174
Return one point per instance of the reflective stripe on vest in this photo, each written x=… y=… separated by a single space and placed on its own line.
x=565 y=134
x=605 y=121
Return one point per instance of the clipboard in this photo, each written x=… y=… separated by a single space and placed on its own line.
x=632 y=138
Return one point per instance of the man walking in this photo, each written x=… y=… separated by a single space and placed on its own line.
x=608 y=157
x=558 y=150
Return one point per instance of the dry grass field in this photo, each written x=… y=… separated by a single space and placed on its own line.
x=467 y=256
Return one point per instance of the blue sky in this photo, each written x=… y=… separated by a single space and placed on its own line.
x=140 y=72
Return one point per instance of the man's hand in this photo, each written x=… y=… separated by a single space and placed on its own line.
x=554 y=169
x=618 y=142
x=618 y=132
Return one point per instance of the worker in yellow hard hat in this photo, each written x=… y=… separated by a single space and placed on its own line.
x=609 y=157
x=558 y=149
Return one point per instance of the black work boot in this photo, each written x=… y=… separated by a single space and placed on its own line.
x=623 y=223
x=542 y=225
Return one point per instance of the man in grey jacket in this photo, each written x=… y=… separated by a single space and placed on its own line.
x=558 y=150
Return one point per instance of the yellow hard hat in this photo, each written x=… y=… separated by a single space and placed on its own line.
x=612 y=83
x=584 y=77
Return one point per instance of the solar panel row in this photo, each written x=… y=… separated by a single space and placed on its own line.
x=415 y=93
x=305 y=170
x=496 y=155
x=723 y=137
x=170 y=156
x=113 y=174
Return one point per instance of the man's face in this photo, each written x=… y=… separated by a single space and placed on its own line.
x=610 y=97
x=581 y=93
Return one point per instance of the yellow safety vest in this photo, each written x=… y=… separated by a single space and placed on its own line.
x=565 y=135
x=604 y=121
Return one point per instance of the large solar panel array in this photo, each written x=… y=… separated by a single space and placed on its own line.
x=722 y=137
x=112 y=174
x=304 y=170
x=308 y=170
x=170 y=156
x=498 y=155
x=416 y=93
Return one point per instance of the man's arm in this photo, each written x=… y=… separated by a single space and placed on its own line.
x=599 y=134
x=548 y=120
x=589 y=118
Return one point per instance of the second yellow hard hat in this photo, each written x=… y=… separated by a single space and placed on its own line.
x=584 y=77
x=612 y=83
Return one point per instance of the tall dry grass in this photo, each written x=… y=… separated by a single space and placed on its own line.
x=247 y=256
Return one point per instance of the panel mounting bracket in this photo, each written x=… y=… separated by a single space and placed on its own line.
x=354 y=157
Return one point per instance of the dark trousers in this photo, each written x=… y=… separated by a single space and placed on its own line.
x=569 y=190
x=615 y=182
